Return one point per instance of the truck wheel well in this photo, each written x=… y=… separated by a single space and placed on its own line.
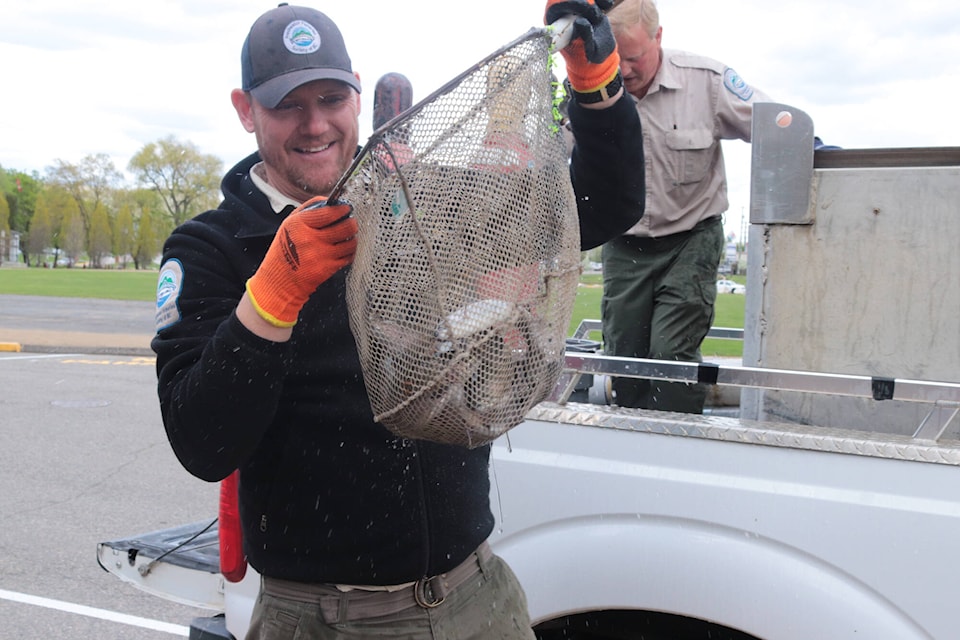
x=631 y=625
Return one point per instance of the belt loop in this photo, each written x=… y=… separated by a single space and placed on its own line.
x=342 y=609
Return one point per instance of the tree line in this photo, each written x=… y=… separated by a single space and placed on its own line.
x=84 y=210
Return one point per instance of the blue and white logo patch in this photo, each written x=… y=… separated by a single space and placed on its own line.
x=169 y=286
x=301 y=37
x=735 y=85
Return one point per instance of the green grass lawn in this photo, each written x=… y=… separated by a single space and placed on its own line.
x=80 y=283
x=141 y=285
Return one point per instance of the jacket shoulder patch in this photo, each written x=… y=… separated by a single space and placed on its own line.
x=169 y=286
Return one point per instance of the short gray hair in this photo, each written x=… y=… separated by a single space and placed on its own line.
x=630 y=13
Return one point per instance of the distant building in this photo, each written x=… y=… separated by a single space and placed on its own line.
x=734 y=258
x=10 y=248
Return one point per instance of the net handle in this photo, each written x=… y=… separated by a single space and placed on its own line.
x=560 y=33
x=562 y=30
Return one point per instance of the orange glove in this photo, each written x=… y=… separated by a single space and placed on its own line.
x=313 y=243
x=592 y=59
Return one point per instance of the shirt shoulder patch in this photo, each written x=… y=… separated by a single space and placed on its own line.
x=736 y=85
x=169 y=286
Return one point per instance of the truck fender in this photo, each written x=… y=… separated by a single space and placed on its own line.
x=696 y=569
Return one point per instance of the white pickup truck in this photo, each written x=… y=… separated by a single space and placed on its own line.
x=825 y=508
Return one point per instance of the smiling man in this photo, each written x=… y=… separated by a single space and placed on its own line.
x=301 y=100
x=355 y=532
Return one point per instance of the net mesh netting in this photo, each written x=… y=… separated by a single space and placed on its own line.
x=468 y=257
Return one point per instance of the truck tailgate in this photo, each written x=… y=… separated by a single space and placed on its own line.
x=181 y=563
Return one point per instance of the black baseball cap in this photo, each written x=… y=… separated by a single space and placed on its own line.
x=290 y=46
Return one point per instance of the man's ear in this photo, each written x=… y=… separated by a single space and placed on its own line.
x=243 y=103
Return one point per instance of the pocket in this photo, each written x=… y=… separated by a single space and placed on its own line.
x=693 y=151
x=286 y=621
x=275 y=618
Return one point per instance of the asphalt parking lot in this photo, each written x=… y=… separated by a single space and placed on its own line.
x=84 y=459
x=40 y=324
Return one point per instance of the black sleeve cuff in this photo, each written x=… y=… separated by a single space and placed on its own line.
x=607 y=169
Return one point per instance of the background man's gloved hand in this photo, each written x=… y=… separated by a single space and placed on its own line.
x=313 y=243
x=593 y=63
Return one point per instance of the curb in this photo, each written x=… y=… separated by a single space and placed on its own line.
x=10 y=346
x=99 y=350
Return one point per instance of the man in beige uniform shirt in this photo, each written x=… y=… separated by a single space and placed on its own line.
x=660 y=277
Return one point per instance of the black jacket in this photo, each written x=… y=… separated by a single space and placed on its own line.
x=326 y=494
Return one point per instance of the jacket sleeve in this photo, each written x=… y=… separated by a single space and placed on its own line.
x=219 y=385
x=607 y=171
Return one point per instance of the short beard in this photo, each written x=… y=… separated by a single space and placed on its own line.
x=296 y=178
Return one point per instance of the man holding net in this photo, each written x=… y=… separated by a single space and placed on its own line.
x=356 y=532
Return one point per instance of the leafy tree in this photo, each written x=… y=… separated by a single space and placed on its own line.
x=71 y=235
x=41 y=236
x=7 y=190
x=21 y=192
x=47 y=226
x=123 y=234
x=4 y=228
x=100 y=237
x=149 y=229
x=186 y=180
x=4 y=213
x=88 y=183
x=147 y=244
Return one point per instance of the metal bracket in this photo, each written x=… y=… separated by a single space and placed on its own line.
x=781 y=165
x=936 y=422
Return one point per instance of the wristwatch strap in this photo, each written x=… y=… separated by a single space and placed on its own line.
x=603 y=93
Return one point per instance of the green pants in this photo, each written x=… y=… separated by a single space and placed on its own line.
x=489 y=606
x=658 y=298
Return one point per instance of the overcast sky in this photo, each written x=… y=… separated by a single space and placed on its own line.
x=83 y=77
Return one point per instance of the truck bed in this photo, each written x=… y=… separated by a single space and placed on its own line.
x=785 y=532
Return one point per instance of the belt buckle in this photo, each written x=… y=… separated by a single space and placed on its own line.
x=425 y=594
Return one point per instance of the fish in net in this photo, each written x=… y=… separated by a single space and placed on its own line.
x=468 y=258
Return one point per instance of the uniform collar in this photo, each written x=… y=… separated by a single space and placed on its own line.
x=243 y=196
x=278 y=201
x=667 y=75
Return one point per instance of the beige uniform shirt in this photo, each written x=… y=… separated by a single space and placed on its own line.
x=693 y=103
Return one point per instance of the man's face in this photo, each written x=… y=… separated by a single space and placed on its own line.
x=639 y=58
x=309 y=139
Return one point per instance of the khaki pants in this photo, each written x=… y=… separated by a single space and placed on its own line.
x=489 y=605
x=658 y=298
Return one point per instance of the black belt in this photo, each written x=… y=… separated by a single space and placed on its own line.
x=663 y=242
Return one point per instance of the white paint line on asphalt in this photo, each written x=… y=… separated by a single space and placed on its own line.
x=101 y=614
x=40 y=357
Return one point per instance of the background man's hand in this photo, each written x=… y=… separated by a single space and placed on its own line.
x=592 y=60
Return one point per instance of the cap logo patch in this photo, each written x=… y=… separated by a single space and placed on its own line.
x=301 y=37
